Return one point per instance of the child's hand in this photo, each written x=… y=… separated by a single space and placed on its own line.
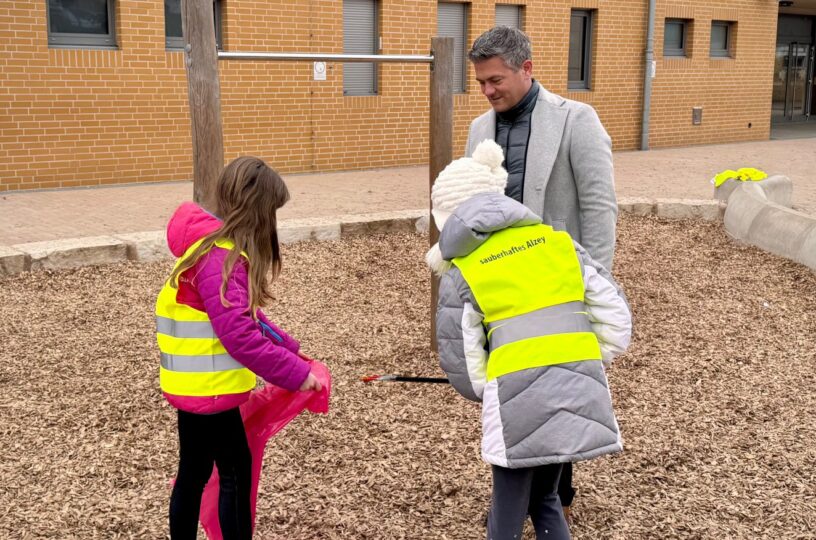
x=311 y=383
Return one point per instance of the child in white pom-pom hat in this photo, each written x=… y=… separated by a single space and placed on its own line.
x=526 y=322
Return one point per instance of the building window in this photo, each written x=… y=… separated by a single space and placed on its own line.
x=721 y=36
x=451 y=21
x=81 y=23
x=360 y=37
x=675 y=37
x=173 y=37
x=509 y=15
x=580 y=44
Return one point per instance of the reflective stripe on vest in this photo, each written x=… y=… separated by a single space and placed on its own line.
x=194 y=362
x=560 y=319
x=539 y=318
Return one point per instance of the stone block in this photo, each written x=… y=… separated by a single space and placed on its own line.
x=381 y=222
x=12 y=261
x=638 y=206
x=146 y=246
x=302 y=230
x=423 y=224
x=74 y=252
x=707 y=209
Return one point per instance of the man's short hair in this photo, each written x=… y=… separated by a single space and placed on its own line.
x=511 y=44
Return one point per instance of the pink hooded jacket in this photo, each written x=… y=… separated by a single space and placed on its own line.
x=261 y=346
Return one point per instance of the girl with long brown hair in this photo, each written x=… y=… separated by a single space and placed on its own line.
x=214 y=339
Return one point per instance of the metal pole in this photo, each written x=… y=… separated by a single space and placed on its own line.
x=647 y=82
x=440 y=116
x=320 y=57
x=440 y=139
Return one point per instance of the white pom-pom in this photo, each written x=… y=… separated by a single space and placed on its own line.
x=489 y=153
x=436 y=262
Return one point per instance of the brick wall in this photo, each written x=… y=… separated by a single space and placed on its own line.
x=735 y=93
x=71 y=117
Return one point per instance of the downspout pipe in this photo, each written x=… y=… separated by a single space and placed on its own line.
x=648 y=74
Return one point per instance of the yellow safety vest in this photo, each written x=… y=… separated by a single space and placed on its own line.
x=194 y=362
x=529 y=284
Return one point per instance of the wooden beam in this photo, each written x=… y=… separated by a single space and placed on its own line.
x=440 y=138
x=204 y=92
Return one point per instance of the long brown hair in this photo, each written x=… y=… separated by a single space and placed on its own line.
x=248 y=195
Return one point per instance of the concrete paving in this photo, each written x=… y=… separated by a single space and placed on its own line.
x=678 y=173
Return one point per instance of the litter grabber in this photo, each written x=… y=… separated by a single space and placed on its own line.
x=403 y=378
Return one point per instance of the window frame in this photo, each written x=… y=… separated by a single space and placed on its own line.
x=176 y=43
x=77 y=40
x=461 y=55
x=682 y=52
x=729 y=32
x=375 y=78
x=585 y=83
x=519 y=13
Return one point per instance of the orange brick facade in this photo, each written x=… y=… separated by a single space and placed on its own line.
x=85 y=117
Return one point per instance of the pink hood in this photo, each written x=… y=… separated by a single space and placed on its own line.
x=189 y=224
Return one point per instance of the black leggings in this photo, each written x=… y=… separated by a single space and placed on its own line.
x=565 y=490
x=205 y=439
x=518 y=493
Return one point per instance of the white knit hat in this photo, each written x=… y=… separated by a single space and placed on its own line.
x=461 y=180
x=466 y=177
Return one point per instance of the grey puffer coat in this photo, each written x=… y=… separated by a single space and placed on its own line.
x=552 y=414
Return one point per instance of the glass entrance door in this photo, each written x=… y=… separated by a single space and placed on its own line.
x=793 y=88
x=793 y=82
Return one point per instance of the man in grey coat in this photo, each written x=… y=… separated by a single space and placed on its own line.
x=557 y=153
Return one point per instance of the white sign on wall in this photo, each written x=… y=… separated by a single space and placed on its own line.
x=320 y=71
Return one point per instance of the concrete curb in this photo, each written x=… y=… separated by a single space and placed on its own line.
x=754 y=216
x=706 y=209
x=71 y=253
x=151 y=245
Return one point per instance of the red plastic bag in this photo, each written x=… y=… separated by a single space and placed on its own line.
x=267 y=411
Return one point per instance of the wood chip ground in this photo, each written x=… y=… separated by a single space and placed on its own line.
x=716 y=401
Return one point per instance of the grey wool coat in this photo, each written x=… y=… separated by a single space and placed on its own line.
x=541 y=415
x=569 y=180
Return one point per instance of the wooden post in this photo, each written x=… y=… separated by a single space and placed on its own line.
x=204 y=91
x=440 y=139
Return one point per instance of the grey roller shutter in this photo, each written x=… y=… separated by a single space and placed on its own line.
x=452 y=22
x=508 y=15
x=359 y=37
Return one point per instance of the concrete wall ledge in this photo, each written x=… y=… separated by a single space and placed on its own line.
x=752 y=217
x=73 y=252
x=151 y=245
x=706 y=209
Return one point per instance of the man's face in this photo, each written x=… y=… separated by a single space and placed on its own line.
x=502 y=86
